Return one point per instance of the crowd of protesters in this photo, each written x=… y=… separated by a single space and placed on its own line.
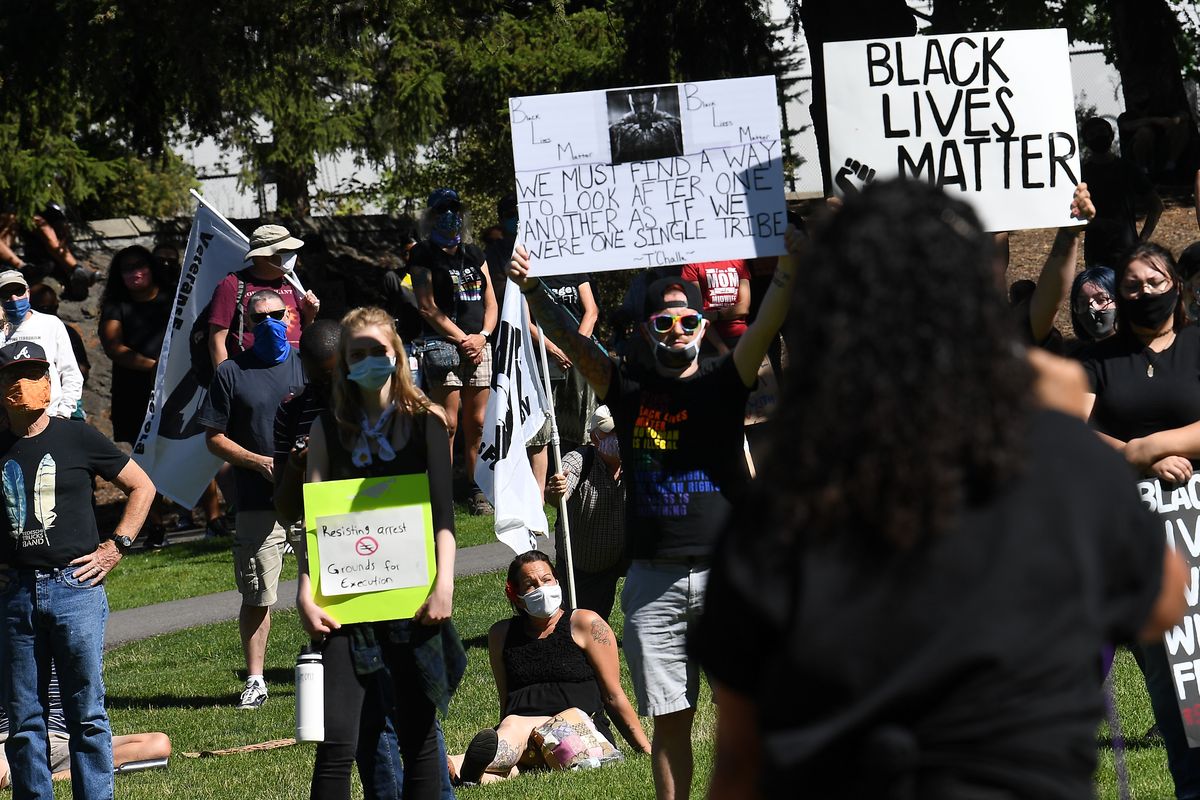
x=845 y=580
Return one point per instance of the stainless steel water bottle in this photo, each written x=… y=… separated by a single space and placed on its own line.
x=310 y=696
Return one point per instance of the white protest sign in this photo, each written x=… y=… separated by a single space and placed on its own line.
x=649 y=176
x=1178 y=508
x=371 y=551
x=990 y=116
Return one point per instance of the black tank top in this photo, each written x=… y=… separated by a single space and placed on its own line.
x=410 y=459
x=548 y=676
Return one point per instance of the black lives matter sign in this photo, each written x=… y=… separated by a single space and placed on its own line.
x=1178 y=507
x=990 y=116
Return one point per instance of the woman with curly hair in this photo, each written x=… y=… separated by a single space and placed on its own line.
x=382 y=425
x=911 y=602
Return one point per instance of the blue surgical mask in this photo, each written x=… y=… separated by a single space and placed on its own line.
x=373 y=371
x=16 y=309
x=270 y=341
x=447 y=229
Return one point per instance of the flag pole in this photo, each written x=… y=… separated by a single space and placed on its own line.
x=568 y=559
x=218 y=214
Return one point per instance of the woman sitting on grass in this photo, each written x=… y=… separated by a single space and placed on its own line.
x=545 y=660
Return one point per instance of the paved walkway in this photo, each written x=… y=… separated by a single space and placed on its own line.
x=176 y=615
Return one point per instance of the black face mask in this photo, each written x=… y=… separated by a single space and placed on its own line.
x=1150 y=310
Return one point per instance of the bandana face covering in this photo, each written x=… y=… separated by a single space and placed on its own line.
x=28 y=395
x=447 y=229
x=270 y=341
x=609 y=446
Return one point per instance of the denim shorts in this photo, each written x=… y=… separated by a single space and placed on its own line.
x=662 y=602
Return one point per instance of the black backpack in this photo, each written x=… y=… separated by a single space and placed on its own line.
x=202 y=366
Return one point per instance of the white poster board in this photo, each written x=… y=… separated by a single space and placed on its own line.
x=989 y=116
x=649 y=176
x=370 y=551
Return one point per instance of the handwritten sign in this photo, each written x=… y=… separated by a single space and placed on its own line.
x=370 y=546
x=1179 y=509
x=649 y=176
x=990 y=116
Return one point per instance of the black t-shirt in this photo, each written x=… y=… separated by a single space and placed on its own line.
x=242 y=401
x=683 y=456
x=143 y=326
x=979 y=649
x=1131 y=403
x=565 y=289
x=458 y=283
x=48 y=518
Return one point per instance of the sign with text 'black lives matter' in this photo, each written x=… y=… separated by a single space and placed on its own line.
x=1178 y=507
x=649 y=176
x=990 y=116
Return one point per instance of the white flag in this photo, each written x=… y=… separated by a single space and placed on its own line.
x=516 y=410
x=171 y=446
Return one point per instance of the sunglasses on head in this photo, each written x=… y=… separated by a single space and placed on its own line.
x=258 y=316
x=663 y=323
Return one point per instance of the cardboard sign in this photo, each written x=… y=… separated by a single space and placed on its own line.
x=370 y=546
x=989 y=116
x=1179 y=509
x=649 y=176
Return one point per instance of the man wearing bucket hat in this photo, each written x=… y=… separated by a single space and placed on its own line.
x=272 y=254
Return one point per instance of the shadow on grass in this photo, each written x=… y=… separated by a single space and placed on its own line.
x=169 y=701
x=1132 y=743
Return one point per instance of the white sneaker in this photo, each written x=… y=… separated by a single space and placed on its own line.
x=253 y=696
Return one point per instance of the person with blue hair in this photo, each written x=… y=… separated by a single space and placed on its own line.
x=1093 y=304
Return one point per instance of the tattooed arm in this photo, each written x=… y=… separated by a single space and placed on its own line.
x=749 y=351
x=1059 y=270
x=558 y=326
x=599 y=643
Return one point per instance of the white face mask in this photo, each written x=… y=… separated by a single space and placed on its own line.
x=543 y=601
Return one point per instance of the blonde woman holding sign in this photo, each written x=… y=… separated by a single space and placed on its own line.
x=382 y=425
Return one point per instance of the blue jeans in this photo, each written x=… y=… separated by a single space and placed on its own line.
x=378 y=756
x=48 y=614
x=1182 y=761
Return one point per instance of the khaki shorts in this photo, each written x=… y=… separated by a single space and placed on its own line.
x=258 y=557
x=468 y=374
x=60 y=752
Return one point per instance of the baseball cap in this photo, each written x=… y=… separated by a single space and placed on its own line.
x=655 y=303
x=21 y=352
x=444 y=199
x=601 y=420
x=267 y=240
x=13 y=276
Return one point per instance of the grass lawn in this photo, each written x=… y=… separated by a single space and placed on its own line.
x=185 y=684
x=205 y=566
